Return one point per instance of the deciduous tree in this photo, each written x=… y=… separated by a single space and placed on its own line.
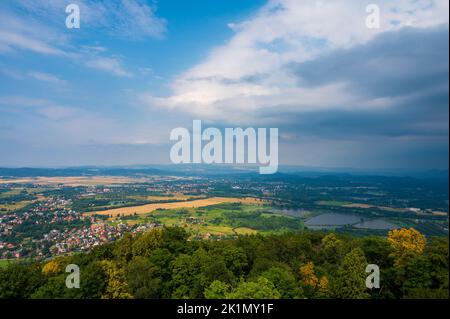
x=405 y=243
x=350 y=281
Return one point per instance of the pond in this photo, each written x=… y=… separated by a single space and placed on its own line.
x=294 y=212
x=376 y=224
x=333 y=219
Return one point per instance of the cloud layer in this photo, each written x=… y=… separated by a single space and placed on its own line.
x=42 y=29
x=252 y=74
x=340 y=93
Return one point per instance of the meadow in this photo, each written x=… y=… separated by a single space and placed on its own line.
x=223 y=219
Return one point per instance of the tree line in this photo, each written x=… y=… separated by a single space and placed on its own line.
x=165 y=263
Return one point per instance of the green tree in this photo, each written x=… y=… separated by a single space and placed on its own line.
x=174 y=239
x=332 y=248
x=146 y=243
x=123 y=250
x=284 y=281
x=377 y=251
x=350 y=281
x=20 y=280
x=262 y=288
x=54 y=288
x=235 y=260
x=163 y=259
x=261 y=265
x=438 y=254
x=92 y=280
x=217 y=290
x=193 y=273
x=116 y=286
x=142 y=279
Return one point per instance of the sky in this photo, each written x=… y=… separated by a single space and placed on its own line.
x=340 y=93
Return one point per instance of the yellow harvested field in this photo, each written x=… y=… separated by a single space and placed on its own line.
x=245 y=231
x=75 y=180
x=176 y=196
x=392 y=209
x=144 y=209
x=438 y=213
x=181 y=197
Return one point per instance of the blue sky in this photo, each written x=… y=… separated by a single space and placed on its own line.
x=109 y=93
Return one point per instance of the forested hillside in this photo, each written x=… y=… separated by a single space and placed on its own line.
x=163 y=263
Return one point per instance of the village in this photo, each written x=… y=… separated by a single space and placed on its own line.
x=69 y=231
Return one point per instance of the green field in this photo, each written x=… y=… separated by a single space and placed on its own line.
x=10 y=193
x=4 y=208
x=227 y=219
x=4 y=262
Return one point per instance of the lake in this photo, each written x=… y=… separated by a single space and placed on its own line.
x=335 y=220
x=376 y=224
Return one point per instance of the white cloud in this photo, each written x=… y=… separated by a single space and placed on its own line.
x=12 y=40
x=252 y=71
x=138 y=19
x=47 y=77
x=40 y=33
x=124 y=18
x=109 y=64
x=27 y=34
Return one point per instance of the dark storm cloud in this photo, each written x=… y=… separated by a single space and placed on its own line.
x=393 y=64
x=409 y=68
x=424 y=116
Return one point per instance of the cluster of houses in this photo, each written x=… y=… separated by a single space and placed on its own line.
x=84 y=235
x=86 y=238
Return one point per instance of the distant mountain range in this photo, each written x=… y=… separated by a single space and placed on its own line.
x=202 y=169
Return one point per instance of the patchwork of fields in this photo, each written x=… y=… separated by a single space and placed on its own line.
x=216 y=208
x=75 y=180
x=223 y=219
x=143 y=209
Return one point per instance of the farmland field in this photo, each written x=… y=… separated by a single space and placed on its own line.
x=13 y=206
x=51 y=221
x=75 y=180
x=224 y=219
x=143 y=209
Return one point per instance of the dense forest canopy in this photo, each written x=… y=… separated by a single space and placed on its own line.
x=163 y=263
